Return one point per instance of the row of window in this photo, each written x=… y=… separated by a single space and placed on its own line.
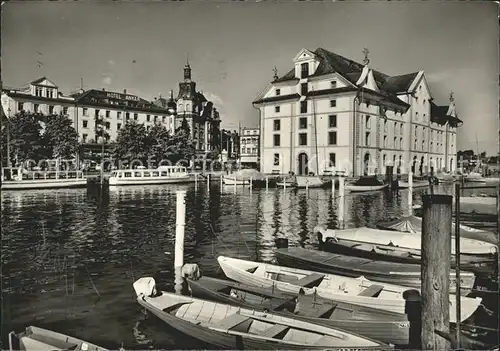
x=304 y=88
x=332 y=123
x=303 y=106
x=249 y=150
x=49 y=92
x=36 y=108
x=332 y=157
x=332 y=139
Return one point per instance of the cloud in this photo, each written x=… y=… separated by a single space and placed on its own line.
x=106 y=80
x=216 y=99
x=111 y=62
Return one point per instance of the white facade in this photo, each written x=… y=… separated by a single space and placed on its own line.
x=43 y=96
x=315 y=119
x=249 y=146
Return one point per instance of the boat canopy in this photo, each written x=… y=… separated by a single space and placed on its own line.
x=408 y=224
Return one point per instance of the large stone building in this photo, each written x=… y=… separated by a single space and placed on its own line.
x=249 y=147
x=329 y=112
x=202 y=117
x=89 y=109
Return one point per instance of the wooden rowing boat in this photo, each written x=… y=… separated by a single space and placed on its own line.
x=230 y=327
x=36 y=339
x=380 y=271
x=388 y=327
x=230 y=180
x=413 y=225
x=481 y=264
x=358 y=291
x=405 y=240
x=388 y=253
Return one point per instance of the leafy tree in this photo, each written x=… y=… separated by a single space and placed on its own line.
x=184 y=127
x=26 y=140
x=132 y=142
x=158 y=142
x=180 y=147
x=60 y=138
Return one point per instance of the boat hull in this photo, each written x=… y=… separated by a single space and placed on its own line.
x=44 y=184
x=364 y=188
x=232 y=181
x=406 y=185
x=152 y=181
x=335 y=288
x=36 y=339
x=226 y=341
x=376 y=324
x=397 y=274
x=479 y=264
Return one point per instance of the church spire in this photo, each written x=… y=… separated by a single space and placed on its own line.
x=366 y=60
x=187 y=69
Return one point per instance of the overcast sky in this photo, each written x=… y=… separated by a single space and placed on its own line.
x=232 y=48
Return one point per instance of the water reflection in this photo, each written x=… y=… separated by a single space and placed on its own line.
x=70 y=256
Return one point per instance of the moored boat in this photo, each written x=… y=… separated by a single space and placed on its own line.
x=231 y=180
x=417 y=184
x=404 y=240
x=161 y=175
x=311 y=182
x=388 y=272
x=380 y=252
x=21 y=179
x=413 y=225
x=230 y=327
x=363 y=184
x=388 y=327
x=474 y=177
x=359 y=291
x=36 y=339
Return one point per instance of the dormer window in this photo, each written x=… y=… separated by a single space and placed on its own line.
x=304 y=70
x=278 y=92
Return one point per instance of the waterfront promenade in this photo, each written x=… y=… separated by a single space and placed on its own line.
x=70 y=256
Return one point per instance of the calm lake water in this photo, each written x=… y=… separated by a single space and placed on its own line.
x=70 y=257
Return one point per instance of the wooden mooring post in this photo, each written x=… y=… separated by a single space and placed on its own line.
x=435 y=271
x=410 y=193
x=341 y=201
x=498 y=244
x=180 y=224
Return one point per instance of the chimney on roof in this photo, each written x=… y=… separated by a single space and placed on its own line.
x=124 y=91
x=275 y=71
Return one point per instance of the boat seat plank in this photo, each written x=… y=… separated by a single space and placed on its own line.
x=371 y=291
x=232 y=321
x=275 y=330
x=322 y=310
x=310 y=280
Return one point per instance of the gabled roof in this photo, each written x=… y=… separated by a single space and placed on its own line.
x=330 y=62
x=290 y=75
x=94 y=97
x=439 y=115
x=399 y=84
x=39 y=80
